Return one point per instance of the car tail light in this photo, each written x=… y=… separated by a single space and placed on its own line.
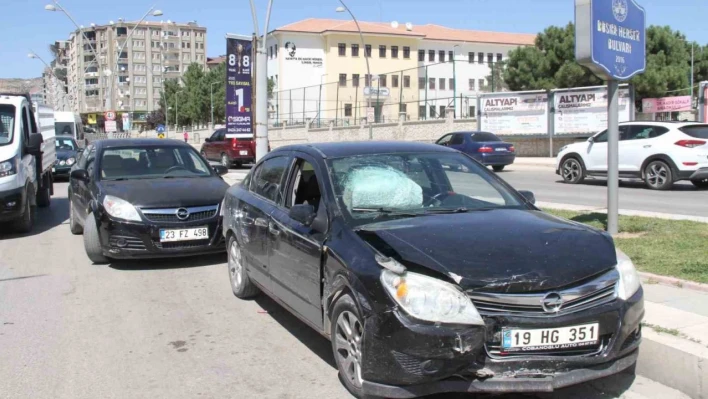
x=485 y=149
x=233 y=143
x=690 y=163
x=512 y=149
x=690 y=143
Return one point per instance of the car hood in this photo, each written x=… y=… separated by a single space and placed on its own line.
x=168 y=193
x=500 y=250
x=66 y=154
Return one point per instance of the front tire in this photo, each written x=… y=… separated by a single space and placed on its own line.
x=572 y=171
x=498 y=168
x=347 y=331
x=74 y=225
x=26 y=222
x=241 y=284
x=92 y=243
x=225 y=161
x=700 y=183
x=658 y=175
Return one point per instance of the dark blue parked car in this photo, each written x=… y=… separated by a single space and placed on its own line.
x=485 y=147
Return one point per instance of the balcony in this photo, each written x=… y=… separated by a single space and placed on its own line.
x=172 y=71
x=170 y=36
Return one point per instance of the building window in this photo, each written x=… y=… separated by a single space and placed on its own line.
x=471 y=112
x=470 y=57
x=442 y=111
x=367 y=80
x=406 y=52
x=367 y=51
x=450 y=56
x=431 y=83
x=431 y=55
x=394 y=51
x=342 y=49
x=470 y=84
x=432 y=111
x=421 y=55
x=480 y=83
x=499 y=57
x=402 y=107
x=421 y=83
x=270 y=52
x=442 y=83
x=421 y=112
x=342 y=80
x=451 y=82
x=406 y=81
x=355 y=80
x=347 y=110
x=382 y=80
x=490 y=59
x=441 y=56
x=480 y=58
x=355 y=50
x=394 y=80
x=382 y=51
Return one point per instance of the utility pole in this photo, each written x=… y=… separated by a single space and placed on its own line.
x=692 y=43
x=261 y=84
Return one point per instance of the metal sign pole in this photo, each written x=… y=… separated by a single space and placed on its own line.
x=612 y=156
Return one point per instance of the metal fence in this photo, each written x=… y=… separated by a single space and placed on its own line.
x=419 y=93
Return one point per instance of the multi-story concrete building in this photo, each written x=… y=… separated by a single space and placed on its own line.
x=138 y=64
x=319 y=69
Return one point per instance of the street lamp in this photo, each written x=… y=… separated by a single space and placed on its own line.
x=344 y=8
x=211 y=90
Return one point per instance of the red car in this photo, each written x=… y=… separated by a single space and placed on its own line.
x=229 y=150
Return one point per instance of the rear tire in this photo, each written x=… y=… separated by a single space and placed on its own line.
x=572 y=171
x=92 y=243
x=225 y=161
x=25 y=223
x=241 y=284
x=44 y=198
x=658 y=175
x=498 y=168
x=700 y=183
x=74 y=225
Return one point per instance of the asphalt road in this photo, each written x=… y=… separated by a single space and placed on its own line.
x=164 y=329
x=683 y=199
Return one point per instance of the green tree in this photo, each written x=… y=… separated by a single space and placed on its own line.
x=495 y=80
x=668 y=64
x=218 y=77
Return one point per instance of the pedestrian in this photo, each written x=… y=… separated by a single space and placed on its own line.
x=186 y=136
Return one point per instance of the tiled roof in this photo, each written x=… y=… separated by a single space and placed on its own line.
x=216 y=60
x=429 y=31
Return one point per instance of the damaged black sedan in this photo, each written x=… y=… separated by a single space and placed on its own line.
x=428 y=273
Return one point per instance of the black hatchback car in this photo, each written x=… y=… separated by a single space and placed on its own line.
x=146 y=198
x=429 y=273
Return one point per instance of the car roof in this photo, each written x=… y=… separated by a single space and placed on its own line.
x=112 y=143
x=354 y=148
x=663 y=123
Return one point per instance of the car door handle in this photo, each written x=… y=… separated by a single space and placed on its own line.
x=647 y=146
x=260 y=222
x=273 y=229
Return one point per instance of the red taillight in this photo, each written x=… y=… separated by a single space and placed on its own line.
x=690 y=143
x=512 y=149
x=485 y=149
x=233 y=143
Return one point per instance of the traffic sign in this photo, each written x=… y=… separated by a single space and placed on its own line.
x=160 y=128
x=610 y=37
x=370 y=114
x=161 y=136
x=111 y=126
x=110 y=115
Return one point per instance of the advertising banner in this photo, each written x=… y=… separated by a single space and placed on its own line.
x=239 y=115
x=515 y=113
x=111 y=126
x=126 y=121
x=585 y=111
x=667 y=104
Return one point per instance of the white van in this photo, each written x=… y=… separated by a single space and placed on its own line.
x=69 y=124
x=27 y=155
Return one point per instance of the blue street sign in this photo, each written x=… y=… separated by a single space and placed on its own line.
x=160 y=128
x=610 y=37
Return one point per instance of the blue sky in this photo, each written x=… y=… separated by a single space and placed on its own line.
x=26 y=25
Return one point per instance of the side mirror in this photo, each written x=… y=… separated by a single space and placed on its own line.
x=529 y=196
x=304 y=214
x=591 y=139
x=34 y=144
x=207 y=140
x=220 y=169
x=80 y=174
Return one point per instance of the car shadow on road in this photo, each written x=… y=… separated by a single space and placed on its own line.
x=304 y=333
x=168 y=263
x=678 y=186
x=45 y=219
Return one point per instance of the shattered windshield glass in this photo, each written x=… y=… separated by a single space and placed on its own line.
x=409 y=184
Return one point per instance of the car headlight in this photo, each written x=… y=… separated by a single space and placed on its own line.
x=9 y=167
x=120 y=209
x=70 y=161
x=430 y=299
x=629 y=282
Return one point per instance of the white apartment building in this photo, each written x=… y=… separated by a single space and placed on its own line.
x=138 y=62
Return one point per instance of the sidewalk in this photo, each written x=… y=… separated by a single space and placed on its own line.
x=536 y=161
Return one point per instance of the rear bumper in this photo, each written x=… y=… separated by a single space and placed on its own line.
x=495 y=159
x=12 y=204
x=236 y=156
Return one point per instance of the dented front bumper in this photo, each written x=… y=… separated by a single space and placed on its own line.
x=404 y=358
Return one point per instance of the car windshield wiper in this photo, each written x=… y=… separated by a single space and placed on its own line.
x=448 y=210
x=386 y=211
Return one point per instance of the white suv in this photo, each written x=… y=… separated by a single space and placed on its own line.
x=659 y=153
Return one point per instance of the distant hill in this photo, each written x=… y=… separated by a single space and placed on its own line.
x=20 y=85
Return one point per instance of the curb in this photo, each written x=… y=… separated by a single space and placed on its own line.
x=623 y=212
x=675 y=282
x=674 y=362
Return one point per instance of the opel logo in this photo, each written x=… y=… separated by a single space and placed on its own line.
x=182 y=214
x=552 y=303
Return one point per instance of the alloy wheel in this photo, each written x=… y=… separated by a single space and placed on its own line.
x=571 y=170
x=347 y=341
x=235 y=265
x=657 y=175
